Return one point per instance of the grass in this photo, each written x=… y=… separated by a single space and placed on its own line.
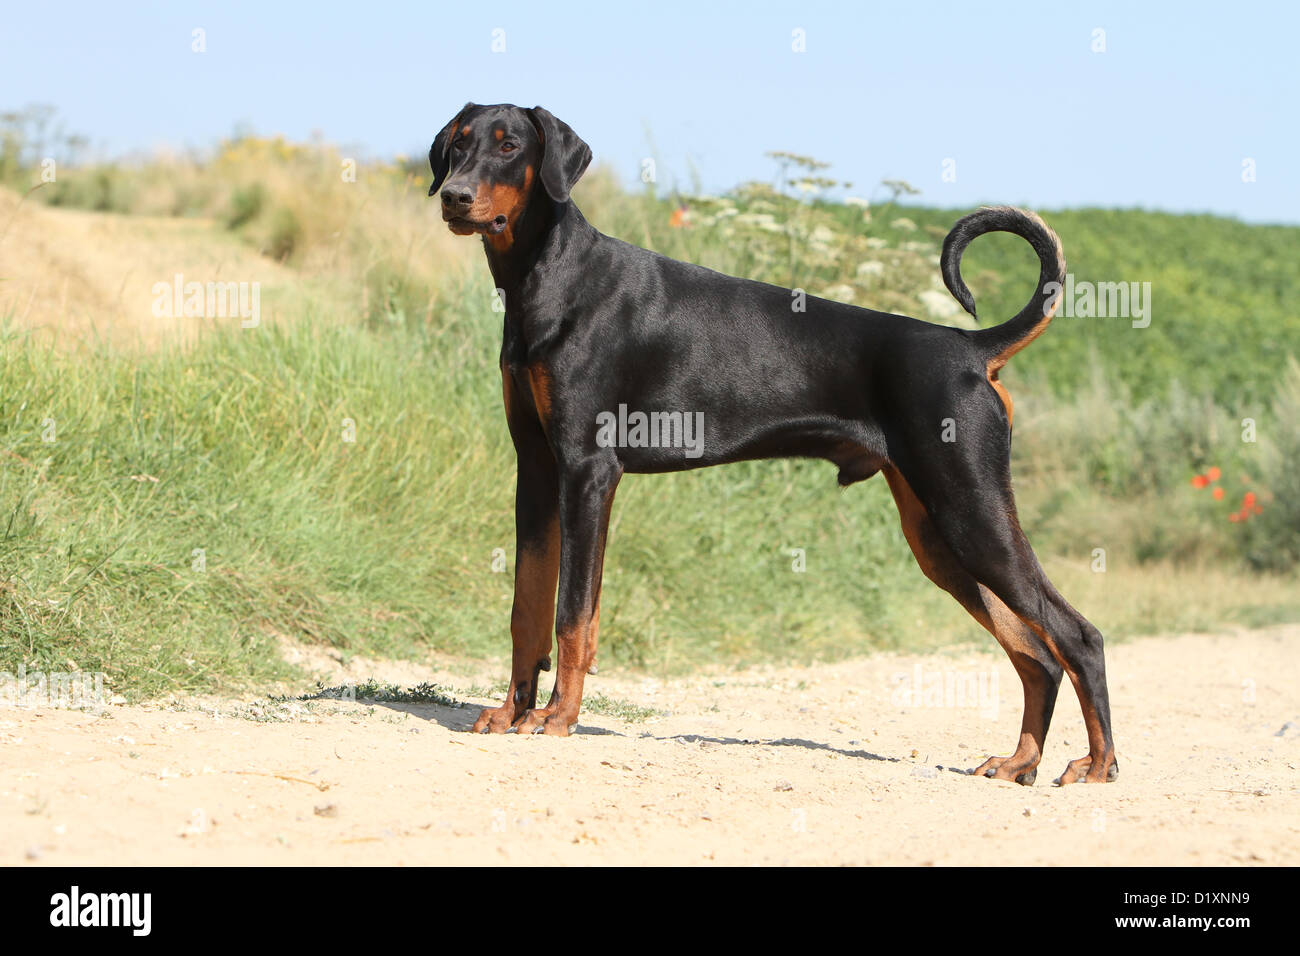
x=342 y=474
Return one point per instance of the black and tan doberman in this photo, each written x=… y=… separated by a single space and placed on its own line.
x=597 y=329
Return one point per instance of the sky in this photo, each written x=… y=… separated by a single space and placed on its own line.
x=1176 y=106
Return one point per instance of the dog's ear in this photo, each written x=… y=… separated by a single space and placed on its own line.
x=564 y=155
x=440 y=151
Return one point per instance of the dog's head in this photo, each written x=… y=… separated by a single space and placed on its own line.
x=488 y=160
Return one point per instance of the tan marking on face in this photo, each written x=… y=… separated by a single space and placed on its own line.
x=508 y=201
x=500 y=135
x=464 y=130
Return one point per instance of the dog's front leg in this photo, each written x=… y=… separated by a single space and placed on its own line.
x=586 y=496
x=537 y=564
x=537 y=567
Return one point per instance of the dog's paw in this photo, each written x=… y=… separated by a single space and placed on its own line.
x=1022 y=772
x=1083 y=770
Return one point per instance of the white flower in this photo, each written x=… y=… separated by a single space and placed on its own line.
x=940 y=305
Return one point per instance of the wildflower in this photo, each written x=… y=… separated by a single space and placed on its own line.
x=840 y=293
x=940 y=305
x=1213 y=473
x=1200 y=481
x=1218 y=494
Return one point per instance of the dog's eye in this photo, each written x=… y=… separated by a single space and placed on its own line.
x=508 y=147
x=459 y=144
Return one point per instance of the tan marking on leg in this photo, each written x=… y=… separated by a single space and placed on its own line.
x=541 y=385
x=1091 y=722
x=995 y=617
x=577 y=653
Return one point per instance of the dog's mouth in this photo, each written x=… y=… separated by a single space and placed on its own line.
x=467 y=227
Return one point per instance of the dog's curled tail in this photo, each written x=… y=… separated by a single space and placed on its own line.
x=1000 y=342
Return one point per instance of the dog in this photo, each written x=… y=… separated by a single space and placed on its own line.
x=594 y=325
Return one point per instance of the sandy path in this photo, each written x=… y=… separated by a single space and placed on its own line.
x=828 y=764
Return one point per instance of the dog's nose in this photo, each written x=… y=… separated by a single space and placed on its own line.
x=457 y=197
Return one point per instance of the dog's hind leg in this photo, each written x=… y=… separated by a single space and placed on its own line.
x=974 y=513
x=1039 y=671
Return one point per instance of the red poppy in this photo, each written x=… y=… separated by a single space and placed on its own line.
x=1213 y=473
x=1218 y=494
x=1234 y=516
x=1200 y=481
x=1248 y=499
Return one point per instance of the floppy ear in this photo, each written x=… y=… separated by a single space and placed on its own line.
x=440 y=151
x=564 y=155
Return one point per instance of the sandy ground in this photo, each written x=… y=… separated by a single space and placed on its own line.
x=825 y=764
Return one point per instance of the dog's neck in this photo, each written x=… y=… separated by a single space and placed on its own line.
x=546 y=233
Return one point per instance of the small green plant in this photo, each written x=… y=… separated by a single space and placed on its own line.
x=246 y=204
x=622 y=709
x=373 y=691
x=285 y=234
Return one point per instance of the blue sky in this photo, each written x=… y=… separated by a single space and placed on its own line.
x=1017 y=98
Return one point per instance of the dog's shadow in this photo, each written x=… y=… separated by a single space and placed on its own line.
x=460 y=719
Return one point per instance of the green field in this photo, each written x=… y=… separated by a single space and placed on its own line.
x=195 y=504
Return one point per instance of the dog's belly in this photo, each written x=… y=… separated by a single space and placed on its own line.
x=856 y=448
